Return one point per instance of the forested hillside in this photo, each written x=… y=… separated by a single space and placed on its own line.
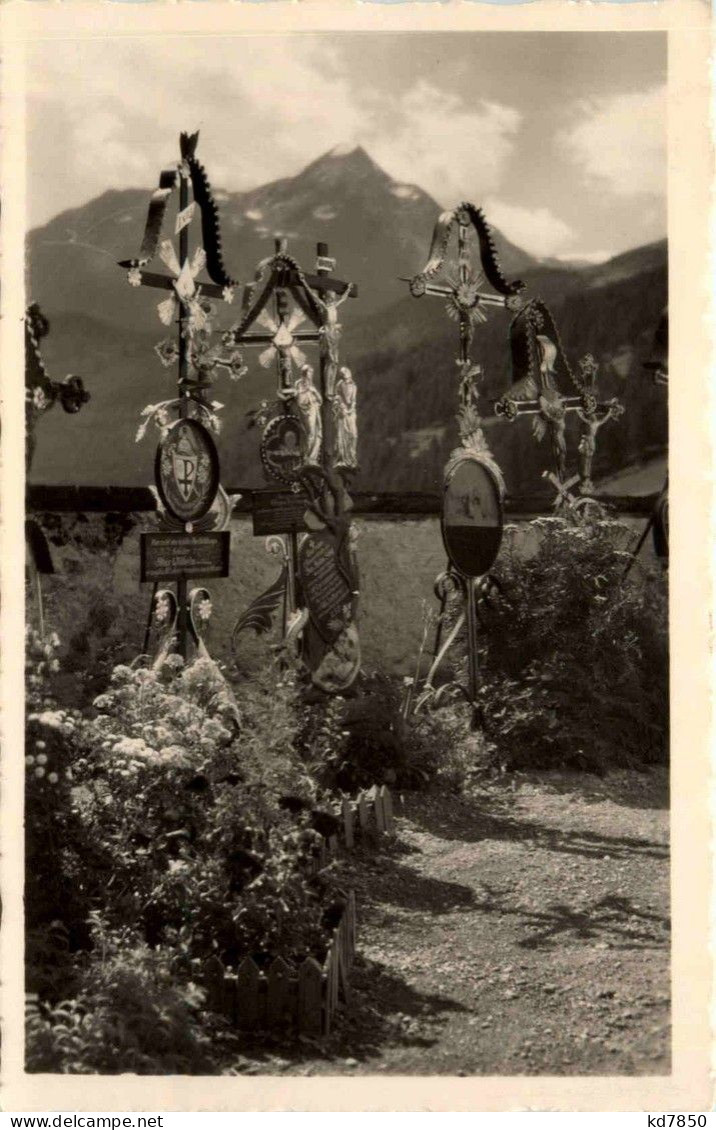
x=401 y=350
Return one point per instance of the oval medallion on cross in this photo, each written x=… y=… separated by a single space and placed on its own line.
x=472 y=517
x=187 y=470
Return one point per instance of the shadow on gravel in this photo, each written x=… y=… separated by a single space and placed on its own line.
x=472 y=823
x=393 y=884
x=613 y=920
x=629 y=789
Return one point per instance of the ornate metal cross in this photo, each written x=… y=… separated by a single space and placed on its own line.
x=188 y=305
x=467 y=303
x=537 y=359
x=316 y=299
x=41 y=394
x=283 y=309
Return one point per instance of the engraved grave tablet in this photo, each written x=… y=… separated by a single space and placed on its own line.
x=166 y=556
x=326 y=590
x=278 y=511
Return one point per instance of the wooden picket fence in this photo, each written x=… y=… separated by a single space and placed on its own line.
x=372 y=809
x=301 y=998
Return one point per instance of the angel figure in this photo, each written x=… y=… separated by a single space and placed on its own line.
x=308 y=402
x=344 y=414
x=552 y=412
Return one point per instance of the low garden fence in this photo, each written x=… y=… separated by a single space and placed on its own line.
x=301 y=997
x=371 y=809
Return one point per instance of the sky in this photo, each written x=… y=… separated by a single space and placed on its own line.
x=560 y=137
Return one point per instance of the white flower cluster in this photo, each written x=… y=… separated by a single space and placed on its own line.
x=173 y=717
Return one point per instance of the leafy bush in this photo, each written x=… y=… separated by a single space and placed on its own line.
x=129 y=1014
x=574 y=669
x=192 y=842
x=444 y=752
x=155 y=835
x=98 y=628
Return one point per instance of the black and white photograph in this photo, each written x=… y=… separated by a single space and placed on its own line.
x=347 y=720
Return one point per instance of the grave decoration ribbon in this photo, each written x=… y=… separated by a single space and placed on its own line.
x=211 y=232
x=185 y=288
x=283 y=337
x=161 y=415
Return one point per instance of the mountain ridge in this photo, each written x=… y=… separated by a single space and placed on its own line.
x=401 y=349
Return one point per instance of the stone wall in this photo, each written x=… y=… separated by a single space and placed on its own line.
x=399 y=560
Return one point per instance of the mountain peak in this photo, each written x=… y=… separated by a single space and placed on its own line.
x=344 y=160
x=346 y=150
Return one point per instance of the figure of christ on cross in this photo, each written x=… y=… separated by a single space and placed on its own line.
x=317 y=297
x=537 y=394
x=465 y=299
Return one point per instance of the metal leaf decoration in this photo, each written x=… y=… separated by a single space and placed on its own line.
x=259 y=614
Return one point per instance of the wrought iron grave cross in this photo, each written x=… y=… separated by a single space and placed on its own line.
x=538 y=358
x=319 y=420
x=474 y=486
x=195 y=511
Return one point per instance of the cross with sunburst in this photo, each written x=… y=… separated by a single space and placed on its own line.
x=463 y=285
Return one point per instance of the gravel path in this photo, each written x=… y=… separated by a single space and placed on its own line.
x=522 y=931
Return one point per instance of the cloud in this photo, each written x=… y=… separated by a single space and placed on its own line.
x=107 y=112
x=594 y=257
x=620 y=142
x=536 y=230
x=452 y=151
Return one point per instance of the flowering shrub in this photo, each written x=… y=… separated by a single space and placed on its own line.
x=51 y=898
x=165 y=789
x=155 y=834
x=574 y=668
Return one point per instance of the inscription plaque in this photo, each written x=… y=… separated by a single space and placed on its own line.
x=167 y=556
x=278 y=512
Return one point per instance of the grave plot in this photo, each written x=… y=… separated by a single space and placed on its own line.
x=213 y=852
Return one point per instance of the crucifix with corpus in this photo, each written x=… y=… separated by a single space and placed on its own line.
x=474 y=487
x=194 y=510
x=309 y=437
x=41 y=394
x=537 y=360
